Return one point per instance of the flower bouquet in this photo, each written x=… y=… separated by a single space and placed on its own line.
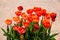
x=34 y=24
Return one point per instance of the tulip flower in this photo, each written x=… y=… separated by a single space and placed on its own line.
x=30 y=11
x=29 y=18
x=53 y=16
x=46 y=23
x=24 y=16
x=35 y=18
x=20 y=8
x=43 y=12
x=26 y=24
x=48 y=15
x=36 y=27
x=21 y=30
x=18 y=13
x=39 y=13
x=35 y=9
x=16 y=19
x=15 y=28
x=8 y=21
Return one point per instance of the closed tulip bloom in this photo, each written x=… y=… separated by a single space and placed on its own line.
x=29 y=18
x=30 y=11
x=20 y=8
x=48 y=15
x=18 y=13
x=43 y=12
x=26 y=24
x=35 y=9
x=15 y=28
x=36 y=27
x=24 y=16
x=46 y=23
x=53 y=16
x=39 y=13
x=35 y=18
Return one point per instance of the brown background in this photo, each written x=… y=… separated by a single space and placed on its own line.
x=8 y=7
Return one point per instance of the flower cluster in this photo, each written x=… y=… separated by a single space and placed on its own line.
x=30 y=20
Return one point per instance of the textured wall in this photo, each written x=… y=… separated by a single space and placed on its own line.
x=8 y=7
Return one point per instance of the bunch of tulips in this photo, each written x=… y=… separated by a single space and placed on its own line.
x=34 y=24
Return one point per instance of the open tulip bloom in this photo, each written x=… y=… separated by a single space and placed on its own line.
x=30 y=26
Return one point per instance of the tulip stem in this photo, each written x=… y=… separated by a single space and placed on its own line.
x=7 y=32
x=49 y=30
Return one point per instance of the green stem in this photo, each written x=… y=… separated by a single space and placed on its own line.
x=49 y=30
x=8 y=32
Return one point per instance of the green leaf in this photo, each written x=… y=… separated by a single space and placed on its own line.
x=31 y=26
x=15 y=39
x=52 y=39
x=7 y=29
x=53 y=35
x=49 y=31
x=4 y=31
x=21 y=22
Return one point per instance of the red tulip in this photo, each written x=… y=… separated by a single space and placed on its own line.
x=43 y=11
x=26 y=24
x=30 y=11
x=15 y=28
x=36 y=9
x=29 y=18
x=36 y=27
x=20 y=8
x=21 y=30
x=48 y=15
x=53 y=16
x=39 y=13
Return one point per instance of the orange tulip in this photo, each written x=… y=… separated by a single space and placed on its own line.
x=24 y=16
x=18 y=13
x=35 y=18
x=8 y=21
x=46 y=23
x=16 y=19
